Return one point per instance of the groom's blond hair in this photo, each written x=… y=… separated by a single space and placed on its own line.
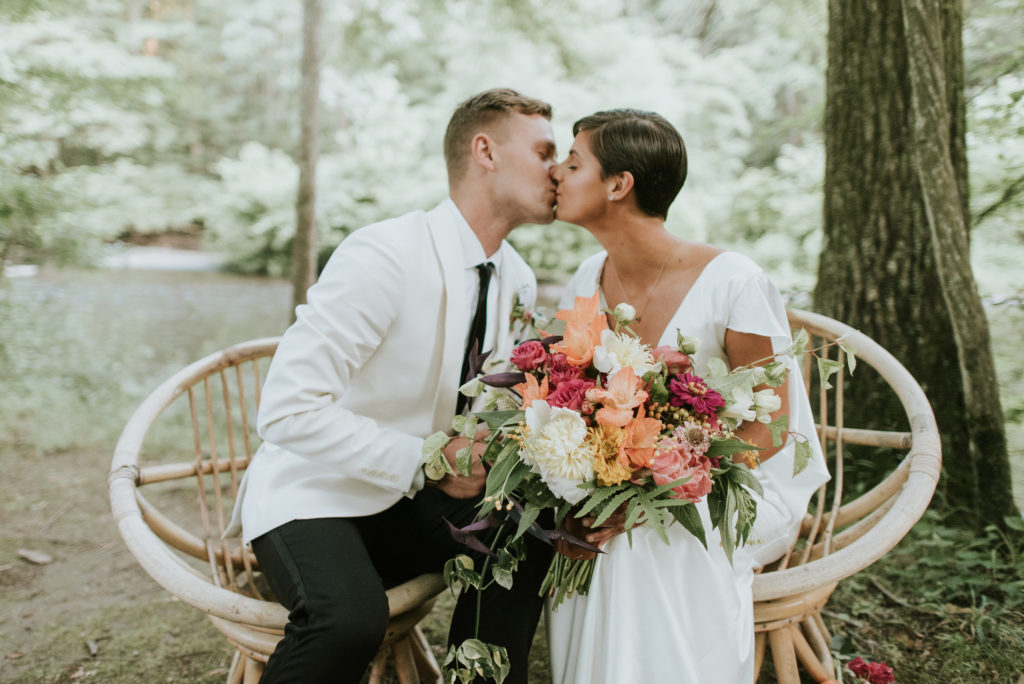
x=480 y=112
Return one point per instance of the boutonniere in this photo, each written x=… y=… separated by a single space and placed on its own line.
x=520 y=313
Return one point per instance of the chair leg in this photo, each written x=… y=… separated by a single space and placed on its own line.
x=405 y=661
x=253 y=671
x=808 y=658
x=378 y=666
x=783 y=655
x=426 y=663
x=237 y=669
x=759 y=643
x=819 y=639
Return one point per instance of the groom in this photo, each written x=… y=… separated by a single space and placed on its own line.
x=335 y=502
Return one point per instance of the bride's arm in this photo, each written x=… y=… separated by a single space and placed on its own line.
x=744 y=349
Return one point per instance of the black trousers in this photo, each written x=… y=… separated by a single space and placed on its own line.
x=332 y=573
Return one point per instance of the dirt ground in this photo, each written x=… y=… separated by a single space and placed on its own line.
x=92 y=614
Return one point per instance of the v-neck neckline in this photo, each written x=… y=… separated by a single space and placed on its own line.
x=682 y=302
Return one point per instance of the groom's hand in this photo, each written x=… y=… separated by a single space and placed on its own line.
x=460 y=486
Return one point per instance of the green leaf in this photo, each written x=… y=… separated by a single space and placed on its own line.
x=501 y=469
x=658 y=391
x=526 y=518
x=598 y=496
x=502 y=576
x=499 y=419
x=800 y=342
x=614 y=503
x=826 y=369
x=689 y=518
x=458 y=573
x=464 y=460
x=728 y=447
x=1015 y=522
x=851 y=354
x=801 y=456
x=741 y=475
x=724 y=524
x=778 y=428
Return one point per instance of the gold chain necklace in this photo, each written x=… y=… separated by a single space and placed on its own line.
x=640 y=310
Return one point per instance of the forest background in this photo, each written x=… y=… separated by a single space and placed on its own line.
x=176 y=122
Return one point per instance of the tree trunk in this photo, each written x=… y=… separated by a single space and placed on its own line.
x=304 y=245
x=895 y=258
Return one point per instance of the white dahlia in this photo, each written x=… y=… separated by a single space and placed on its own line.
x=556 y=449
x=617 y=351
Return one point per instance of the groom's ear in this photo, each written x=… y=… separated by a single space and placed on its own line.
x=482 y=150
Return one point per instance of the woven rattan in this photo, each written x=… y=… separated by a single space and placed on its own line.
x=173 y=482
x=840 y=538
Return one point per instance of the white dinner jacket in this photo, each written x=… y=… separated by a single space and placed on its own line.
x=370 y=367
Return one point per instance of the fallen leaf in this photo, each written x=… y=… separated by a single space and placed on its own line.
x=92 y=646
x=14 y=656
x=37 y=557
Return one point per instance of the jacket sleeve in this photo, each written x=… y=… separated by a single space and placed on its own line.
x=348 y=314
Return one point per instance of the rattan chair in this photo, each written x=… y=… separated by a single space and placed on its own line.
x=842 y=538
x=187 y=445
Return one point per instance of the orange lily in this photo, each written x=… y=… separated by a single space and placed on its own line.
x=618 y=400
x=579 y=341
x=641 y=436
x=531 y=391
x=584 y=310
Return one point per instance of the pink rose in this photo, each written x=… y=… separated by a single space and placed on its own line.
x=858 y=667
x=570 y=393
x=560 y=370
x=529 y=355
x=875 y=673
x=675 y=361
x=673 y=461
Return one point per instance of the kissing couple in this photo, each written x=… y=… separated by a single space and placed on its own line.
x=336 y=503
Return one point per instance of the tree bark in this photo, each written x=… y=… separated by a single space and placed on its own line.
x=303 y=266
x=895 y=259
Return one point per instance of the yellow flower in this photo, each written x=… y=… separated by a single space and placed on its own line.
x=608 y=443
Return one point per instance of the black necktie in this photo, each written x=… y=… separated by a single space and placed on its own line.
x=477 y=332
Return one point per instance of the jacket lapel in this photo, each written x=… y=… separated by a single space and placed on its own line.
x=511 y=283
x=444 y=232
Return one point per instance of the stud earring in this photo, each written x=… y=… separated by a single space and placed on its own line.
x=611 y=198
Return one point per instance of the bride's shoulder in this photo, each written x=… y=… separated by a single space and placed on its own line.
x=731 y=261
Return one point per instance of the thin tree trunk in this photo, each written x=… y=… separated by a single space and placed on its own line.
x=304 y=245
x=895 y=260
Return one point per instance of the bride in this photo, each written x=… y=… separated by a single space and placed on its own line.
x=676 y=612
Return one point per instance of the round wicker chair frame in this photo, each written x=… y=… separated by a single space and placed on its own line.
x=218 y=396
x=842 y=538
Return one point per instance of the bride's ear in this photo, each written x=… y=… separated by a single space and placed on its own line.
x=482 y=151
x=622 y=183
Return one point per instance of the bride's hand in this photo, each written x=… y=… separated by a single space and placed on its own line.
x=585 y=530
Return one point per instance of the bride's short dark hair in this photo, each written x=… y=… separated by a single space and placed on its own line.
x=646 y=145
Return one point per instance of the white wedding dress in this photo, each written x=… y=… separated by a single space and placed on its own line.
x=676 y=612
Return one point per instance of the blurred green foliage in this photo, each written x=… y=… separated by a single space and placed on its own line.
x=131 y=116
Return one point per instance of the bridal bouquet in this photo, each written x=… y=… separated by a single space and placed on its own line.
x=595 y=422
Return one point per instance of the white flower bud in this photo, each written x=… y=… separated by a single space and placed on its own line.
x=624 y=313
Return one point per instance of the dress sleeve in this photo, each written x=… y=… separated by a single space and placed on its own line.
x=757 y=308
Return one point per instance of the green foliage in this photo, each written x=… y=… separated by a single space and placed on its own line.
x=177 y=114
x=944 y=605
